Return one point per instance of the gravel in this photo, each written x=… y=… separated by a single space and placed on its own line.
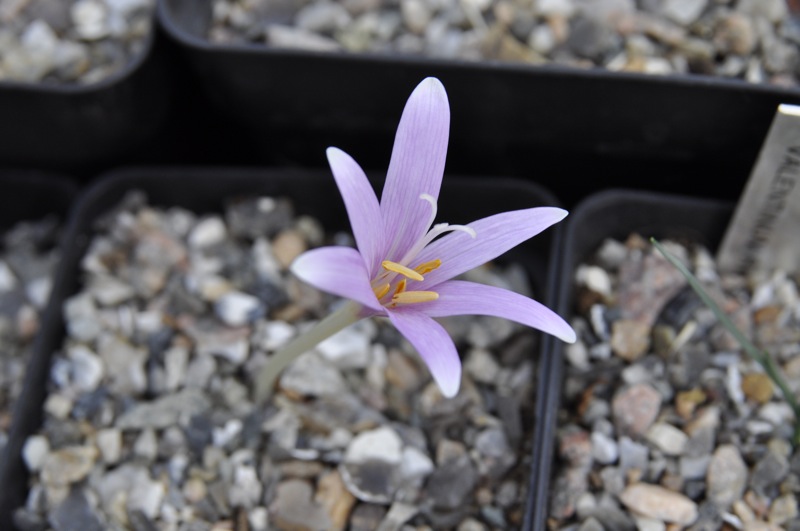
x=58 y=42
x=753 y=40
x=150 y=421
x=27 y=262
x=689 y=431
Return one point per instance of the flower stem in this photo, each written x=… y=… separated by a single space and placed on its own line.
x=761 y=356
x=335 y=322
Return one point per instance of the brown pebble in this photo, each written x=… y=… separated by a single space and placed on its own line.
x=687 y=401
x=287 y=246
x=333 y=496
x=767 y=314
x=630 y=339
x=758 y=386
x=659 y=503
x=735 y=34
x=635 y=408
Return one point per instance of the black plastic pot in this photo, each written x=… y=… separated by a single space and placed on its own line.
x=27 y=196
x=207 y=190
x=596 y=128
x=84 y=126
x=610 y=214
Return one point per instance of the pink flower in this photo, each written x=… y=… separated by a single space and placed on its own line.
x=402 y=269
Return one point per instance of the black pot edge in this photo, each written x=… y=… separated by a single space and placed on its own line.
x=75 y=241
x=549 y=387
x=63 y=192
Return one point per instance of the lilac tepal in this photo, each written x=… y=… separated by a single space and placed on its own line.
x=402 y=268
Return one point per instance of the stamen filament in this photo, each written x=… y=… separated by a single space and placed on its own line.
x=427 y=267
x=410 y=297
x=394 y=267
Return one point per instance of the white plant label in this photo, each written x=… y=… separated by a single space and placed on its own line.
x=765 y=230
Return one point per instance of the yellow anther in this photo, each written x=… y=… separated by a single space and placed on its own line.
x=427 y=267
x=394 y=267
x=410 y=297
x=400 y=288
x=381 y=290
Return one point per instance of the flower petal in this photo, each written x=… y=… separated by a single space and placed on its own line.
x=457 y=297
x=362 y=206
x=416 y=167
x=337 y=270
x=434 y=346
x=460 y=252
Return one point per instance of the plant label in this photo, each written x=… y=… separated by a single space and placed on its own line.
x=765 y=230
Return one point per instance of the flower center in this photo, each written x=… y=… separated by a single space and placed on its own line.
x=392 y=293
x=383 y=285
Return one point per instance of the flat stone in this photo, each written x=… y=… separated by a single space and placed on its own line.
x=769 y=471
x=164 y=412
x=647 y=284
x=312 y=375
x=630 y=339
x=726 y=477
x=288 y=37
x=683 y=12
x=635 y=408
x=293 y=507
x=68 y=465
x=75 y=514
x=451 y=484
x=667 y=438
x=323 y=17
x=659 y=503
x=337 y=501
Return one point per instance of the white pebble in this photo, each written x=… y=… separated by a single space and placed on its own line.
x=207 y=232
x=238 y=309
x=604 y=449
x=7 y=278
x=86 y=369
x=89 y=17
x=38 y=291
x=34 y=452
x=222 y=436
x=595 y=278
x=109 y=442
x=667 y=438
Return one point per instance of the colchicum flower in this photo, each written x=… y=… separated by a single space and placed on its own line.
x=403 y=266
